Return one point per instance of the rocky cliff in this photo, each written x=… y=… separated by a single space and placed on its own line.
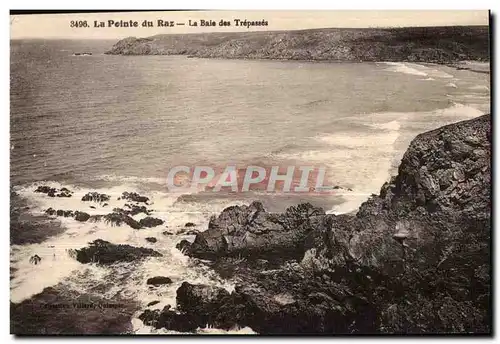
x=414 y=259
x=425 y=44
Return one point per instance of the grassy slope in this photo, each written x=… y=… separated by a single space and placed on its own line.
x=424 y=44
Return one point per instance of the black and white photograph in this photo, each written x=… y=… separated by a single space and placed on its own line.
x=258 y=172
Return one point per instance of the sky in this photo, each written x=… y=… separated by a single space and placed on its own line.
x=52 y=26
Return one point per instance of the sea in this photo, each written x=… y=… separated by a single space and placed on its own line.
x=119 y=123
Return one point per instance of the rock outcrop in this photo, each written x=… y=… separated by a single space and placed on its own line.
x=95 y=197
x=134 y=197
x=103 y=252
x=53 y=192
x=81 y=216
x=414 y=259
x=251 y=231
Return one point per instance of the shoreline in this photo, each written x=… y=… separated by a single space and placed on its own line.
x=458 y=65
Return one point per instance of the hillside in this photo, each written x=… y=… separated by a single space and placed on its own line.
x=423 y=44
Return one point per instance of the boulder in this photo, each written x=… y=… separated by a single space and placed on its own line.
x=135 y=197
x=183 y=246
x=135 y=209
x=105 y=253
x=50 y=211
x=95 y=197
x=251 y=231
x=158 y=280
x=150 y=222
x=171 y=320
x=81 y=216
x=151 y=239
x=199 y=299
x=44 y=189
x=414 y=259
x=53 y=192
x=117 y=219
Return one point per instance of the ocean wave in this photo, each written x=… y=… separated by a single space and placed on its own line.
x=131 y=179
x=479 y=88
x=400 y=67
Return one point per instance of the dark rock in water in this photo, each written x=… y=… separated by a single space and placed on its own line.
x=35 y=259
x=414 y=259
x=199 y=298
x=183 y=246
x=151 y=239
x=104 y=252
x=190 y=224
x=150 y=222
x=171 y=320
x=96 y=197
x=92 y=207
x=50 y=211
x=251 y=231
x=196 y=304
x=117 y=219
x=52 y=192
x=105 y=204
x=158 y=280
x=44 y=189
x=190 y=232
x=135 y=209
x=81 y=216
x=60 y=212
x=152 y=303
x=135 y=197
x=167 y=233
x=65 y=193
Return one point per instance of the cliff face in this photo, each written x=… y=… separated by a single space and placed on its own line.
x=414 y=259
x=428 y=44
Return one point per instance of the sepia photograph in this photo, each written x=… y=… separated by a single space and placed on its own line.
x=222 y=172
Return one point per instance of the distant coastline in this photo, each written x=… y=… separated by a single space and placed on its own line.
x=443 y=45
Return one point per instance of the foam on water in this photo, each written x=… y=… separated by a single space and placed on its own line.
x=364 y=160
x=479 y=88
x=125 y=280
x=400 y=67
x=417 y=69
